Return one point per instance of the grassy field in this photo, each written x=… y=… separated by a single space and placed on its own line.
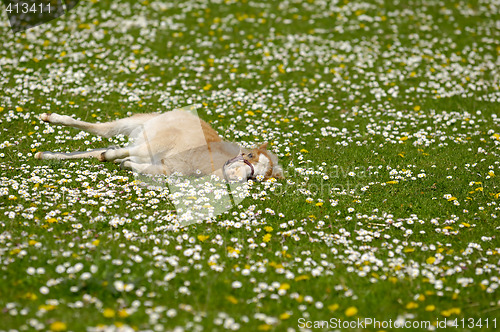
x=385 y=116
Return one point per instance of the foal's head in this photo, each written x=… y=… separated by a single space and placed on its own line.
x=252 y=163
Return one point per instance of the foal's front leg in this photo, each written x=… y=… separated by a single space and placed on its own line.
x=103 y=154
x=47 y=155
x=144 y=168
x=140 y=152
x=114 y=154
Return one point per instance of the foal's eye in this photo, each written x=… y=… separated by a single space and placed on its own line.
x=250 y=155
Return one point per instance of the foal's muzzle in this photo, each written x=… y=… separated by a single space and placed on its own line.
x=233 y=160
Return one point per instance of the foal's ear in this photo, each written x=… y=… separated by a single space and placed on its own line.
x=263 y=146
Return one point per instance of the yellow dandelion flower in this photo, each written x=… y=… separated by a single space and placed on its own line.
x=46 y=307
x=267 y=237
x=123 y=313
x=351 y=311
x=232 y=299
x=108 y=313
x=412 y=305
x=58 y=326
x=203 y=238
x=333 y=307
x=231 y=250
x=302 y=277
x=446 y=313
x=285 y=286
x=285 y=316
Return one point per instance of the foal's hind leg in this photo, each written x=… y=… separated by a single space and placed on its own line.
x=106 y=129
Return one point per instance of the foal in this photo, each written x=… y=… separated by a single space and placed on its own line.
x=172 y=142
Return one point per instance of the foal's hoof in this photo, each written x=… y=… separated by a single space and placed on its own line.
x=45 y=117
x=38 y=155
x=125 y=164
x=102 y=156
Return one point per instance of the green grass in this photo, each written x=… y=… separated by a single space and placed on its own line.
x=406 y=97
